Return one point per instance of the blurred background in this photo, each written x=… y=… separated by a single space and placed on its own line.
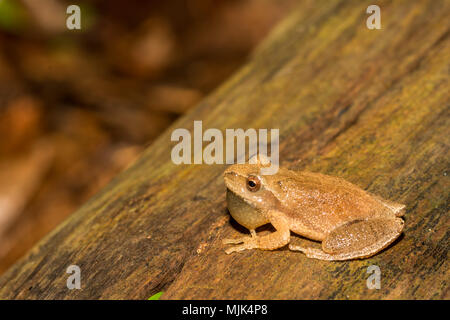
x=78 y=106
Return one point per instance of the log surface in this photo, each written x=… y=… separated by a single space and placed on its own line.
x=370 y=106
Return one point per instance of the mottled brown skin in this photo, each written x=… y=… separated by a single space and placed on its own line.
x=350 y=222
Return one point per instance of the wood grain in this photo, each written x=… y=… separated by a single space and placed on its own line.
x=370 y=106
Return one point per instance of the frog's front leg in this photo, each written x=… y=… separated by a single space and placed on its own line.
x=356 y=239
x=240 y=240
x=272 y=241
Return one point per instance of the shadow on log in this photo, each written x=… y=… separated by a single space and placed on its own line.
x=370 y=106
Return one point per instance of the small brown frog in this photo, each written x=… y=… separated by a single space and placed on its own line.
x=351 y=223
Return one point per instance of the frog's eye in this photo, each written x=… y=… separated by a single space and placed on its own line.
x=253 y=183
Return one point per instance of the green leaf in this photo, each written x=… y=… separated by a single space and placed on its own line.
x=156 y=296
x=13 y=16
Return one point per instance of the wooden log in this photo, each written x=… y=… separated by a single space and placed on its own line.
x=371 y=106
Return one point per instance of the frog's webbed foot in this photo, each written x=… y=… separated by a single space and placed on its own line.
x=314 y=253
x=322 y=255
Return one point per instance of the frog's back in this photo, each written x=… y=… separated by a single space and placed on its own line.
x=321 y=203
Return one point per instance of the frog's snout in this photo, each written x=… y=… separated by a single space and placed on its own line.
x=229 y=176
x=227 y=171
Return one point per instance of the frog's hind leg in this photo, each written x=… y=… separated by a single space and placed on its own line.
x=396 y=208
x=356 y=240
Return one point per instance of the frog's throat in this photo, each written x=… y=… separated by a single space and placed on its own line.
x=237 y=198
x=244 y=212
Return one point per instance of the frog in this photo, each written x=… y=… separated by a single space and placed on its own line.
x=350 y=223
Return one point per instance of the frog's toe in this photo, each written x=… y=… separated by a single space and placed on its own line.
x=307 y=251
x=234 y=249
x=319 y=254
x=312 y=253
x=247 y=243
x=294 y=247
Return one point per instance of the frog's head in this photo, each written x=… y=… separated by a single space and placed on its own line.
x=248 y=195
